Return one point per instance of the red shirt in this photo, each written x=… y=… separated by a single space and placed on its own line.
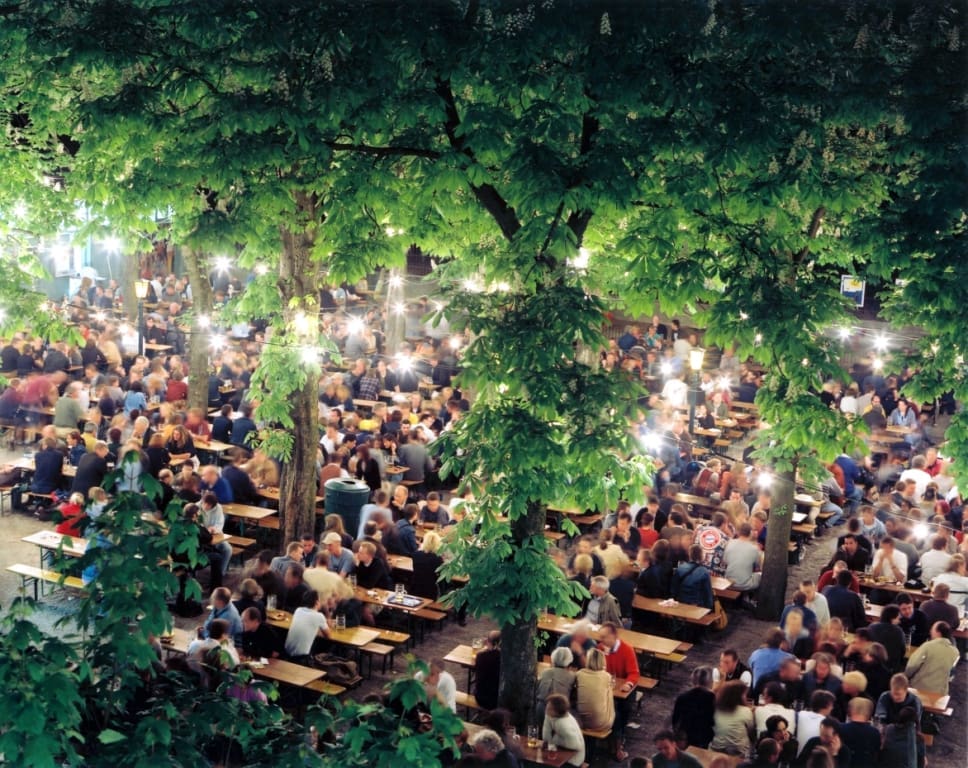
x=621 y=662
x=177 y=390
x=648 y=537
x=70 y=525
x=827 y=578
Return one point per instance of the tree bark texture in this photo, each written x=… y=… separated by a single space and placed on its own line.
x=297 y=287
x=772 y=593
x=519 y=656
x=198 y=340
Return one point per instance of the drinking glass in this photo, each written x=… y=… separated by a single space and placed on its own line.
x=271 y=602
x=352 y=580
x=340 y=621
x=476 y=645
x=401 y=590
x=532 y=736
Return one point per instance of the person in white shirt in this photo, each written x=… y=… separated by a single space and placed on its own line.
x=848 y=403
x=675 y=392
x=815 y=601
x=889 y=563
x=936 y=560
x=808 y=720
x=307 y=625
x=561 y=729
x=773 y=696
x=918 y=475
x=440 y=684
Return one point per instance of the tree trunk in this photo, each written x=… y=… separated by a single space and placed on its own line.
x=772 y=593
x=129 y=299
x=519 y=656
x=198 y=357
x=297 y=484
x=297 y=285
x=396 y=322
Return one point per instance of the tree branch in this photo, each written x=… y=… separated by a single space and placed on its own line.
x=486 y=194
x=812 y=232
x=366 y=149
x=578 y=220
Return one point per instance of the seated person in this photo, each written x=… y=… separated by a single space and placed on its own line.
x=259 y=641
x=308 y=629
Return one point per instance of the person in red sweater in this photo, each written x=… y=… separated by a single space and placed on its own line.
x=620 y=662
x=72 y=512
x=830 y=577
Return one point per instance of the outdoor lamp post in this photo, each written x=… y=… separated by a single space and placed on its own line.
x=696 y=395
x=141 y=291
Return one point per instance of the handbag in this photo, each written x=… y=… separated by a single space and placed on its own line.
x=722 y=620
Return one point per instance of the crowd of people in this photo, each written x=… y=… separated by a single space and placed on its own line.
x=827 y=687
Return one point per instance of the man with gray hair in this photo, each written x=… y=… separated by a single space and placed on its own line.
x=489 y=748
x=603 y=606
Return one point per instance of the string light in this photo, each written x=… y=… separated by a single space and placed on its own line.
x=400 y=308
x=764 y=481
x=880 y=343
x=580 y=262
x=309 y=355
x=471 y=285
x=355 y=326
x=222 y=264
x=395 y=281
x=666 y=368
x=877 y=364
x=217 y=342
x=204 y=321
x=112 y=244
x=455 y=342
x=844 y=333
x=301 y=323
x=20 y=209
x=651 y=442
x=261 y=269
x=404 y=363
x=920 y=531
x=393 y=232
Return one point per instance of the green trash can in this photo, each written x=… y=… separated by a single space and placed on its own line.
x=345 y=497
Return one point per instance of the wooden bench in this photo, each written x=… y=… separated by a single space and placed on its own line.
x=325 y=687
x=468 y=702
x=379 y=650
x=393 y=637
x=269 y=522
x=586 y=520
x=36 y=575
x=240 y=544
x=431 y=617
x=592 y=737
x=6 y=491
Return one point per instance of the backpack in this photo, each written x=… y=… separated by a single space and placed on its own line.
x=338 y=670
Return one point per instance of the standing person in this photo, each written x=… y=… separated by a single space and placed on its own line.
x=929 y=668
x=620 y=662
x=694 y=711
x=487 y=671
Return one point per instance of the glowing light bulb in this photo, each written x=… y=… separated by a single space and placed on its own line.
x=261 y=269
x=301 y=323
x=404 y=363
x=455 y=342
x=877 y=364
x=723 y=382
x=666 y=368
x=651 y=441
x=112 y=244
x=395 y=281
x=844 y=333
x=20 y=209
x=920 y=531
x=471 y=285
x=758 y=338
x=880 y=343
x=764 y=481
x=743 y=316
x=355 y=326
x=217 y=342
x=400 y=308
x=309 y=355
x=580 y=262
x=204 y=321
x=222 y=264
x=99 y=316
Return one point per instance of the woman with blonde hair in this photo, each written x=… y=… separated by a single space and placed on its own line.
x=333 y=523
x=594 y=702
x=426 y=563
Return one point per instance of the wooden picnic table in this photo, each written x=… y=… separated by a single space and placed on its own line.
x=691 y=613
x=706 y=756
x=382 y=597
x=641 y=642
x=538 y=755
x=395 y=469
x=287 y=673
x=247 y=511
x=935 y=703
x=157 y=347
x=273 y=494
x=74 y=546
x=212 y=446
x=868 y=584
x=873 y=613
x=28 y=465
x=401 y=563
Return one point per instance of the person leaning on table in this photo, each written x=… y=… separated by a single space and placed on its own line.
x=562 y=729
